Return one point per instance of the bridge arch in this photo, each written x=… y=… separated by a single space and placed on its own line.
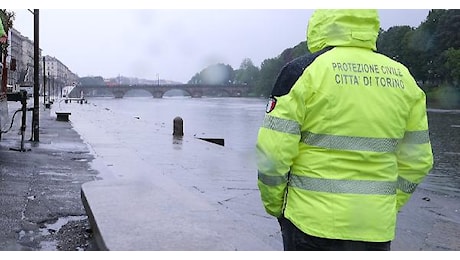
x=177 y=92
x=158 y=91
x=137 y=92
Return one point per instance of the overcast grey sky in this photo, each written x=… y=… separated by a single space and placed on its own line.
x=174 y=43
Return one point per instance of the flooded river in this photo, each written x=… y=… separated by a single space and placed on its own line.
x=134 y=120
x=445 y=137
x=234 y=119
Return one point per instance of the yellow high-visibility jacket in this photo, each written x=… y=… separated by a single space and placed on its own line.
x=345 y=139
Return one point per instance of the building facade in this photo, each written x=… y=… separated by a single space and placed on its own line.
x=20 y=64
x=58 y=75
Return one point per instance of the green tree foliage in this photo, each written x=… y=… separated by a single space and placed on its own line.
x=7 y=18
x=270 y=68
x=436 y=34
x=447 y=33
x=295 y=52
x=386 y=40
x=93 y=81
x=446 y=36
x=425 y=50
x=418 y=42
x=261 y=80
x=400 y=43
x=430 y=51
x=217 y=74
x=247 y=74
x=195 y=79
x=452 y=65
x=268 y=72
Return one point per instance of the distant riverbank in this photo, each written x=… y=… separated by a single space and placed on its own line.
x=443 y=98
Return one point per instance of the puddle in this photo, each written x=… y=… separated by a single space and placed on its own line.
x=53 y=173
x=52 y=228
x=80 y=159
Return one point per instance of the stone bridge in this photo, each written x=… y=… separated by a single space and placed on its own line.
x=157 y=91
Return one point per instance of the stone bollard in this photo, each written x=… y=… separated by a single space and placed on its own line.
x=178 y=126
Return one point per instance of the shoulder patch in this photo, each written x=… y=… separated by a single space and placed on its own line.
x=270 y=105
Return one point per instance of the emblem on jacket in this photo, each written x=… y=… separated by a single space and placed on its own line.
x=270 y=105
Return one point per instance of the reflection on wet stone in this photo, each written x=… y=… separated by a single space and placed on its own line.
x=177 y=142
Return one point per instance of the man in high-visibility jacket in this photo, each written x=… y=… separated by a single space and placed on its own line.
x=345 y=141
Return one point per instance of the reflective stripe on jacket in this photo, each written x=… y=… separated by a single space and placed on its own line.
x=345 y=141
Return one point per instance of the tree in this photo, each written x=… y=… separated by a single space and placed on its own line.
x=446 y=34
x=295 y=52
x=430 y=52
x=404 y=45
x=92 y=81
x=217 y=74
x=7 y=18
x=195 y=79
x=452 y=57
x=248 y=73
x=269 y=70
x=423 y=49
x=429 y=37
x=390 y=42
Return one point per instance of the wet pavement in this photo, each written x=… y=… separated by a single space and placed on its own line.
x=40 y=202
x=42 y=209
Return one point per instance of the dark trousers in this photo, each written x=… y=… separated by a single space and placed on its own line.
x=296 y=240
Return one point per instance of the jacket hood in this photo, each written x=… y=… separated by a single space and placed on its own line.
x=343 y=27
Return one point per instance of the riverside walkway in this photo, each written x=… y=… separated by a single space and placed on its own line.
x=197 y=196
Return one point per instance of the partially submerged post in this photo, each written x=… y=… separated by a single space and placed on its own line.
x=178 y=126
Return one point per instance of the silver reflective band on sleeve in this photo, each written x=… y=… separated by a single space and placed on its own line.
x=350 y=142
x=343 y=186
x=416 y=137
x=281 y=125
x=406 y=186
x=272 y=180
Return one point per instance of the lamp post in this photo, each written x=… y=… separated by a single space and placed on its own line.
x=44 y=83
x=52 y=86
x=36 y=113
x=50 y=92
